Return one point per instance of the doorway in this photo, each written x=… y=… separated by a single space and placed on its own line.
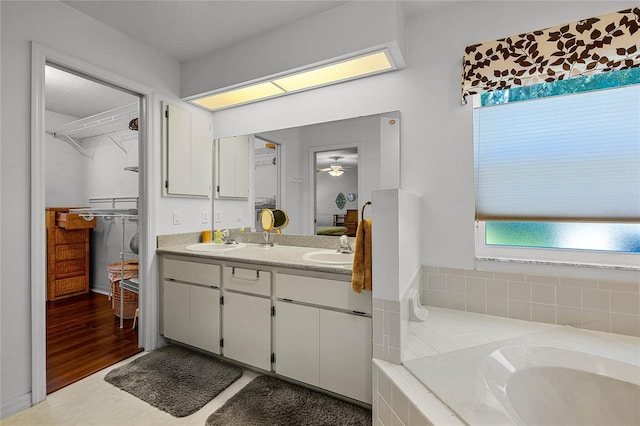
x=266 y=175
x=336 y=192
x=91 y=197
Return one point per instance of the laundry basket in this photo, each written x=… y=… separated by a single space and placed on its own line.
x=130 y=298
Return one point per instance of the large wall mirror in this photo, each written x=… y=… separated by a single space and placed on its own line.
x=322 y=174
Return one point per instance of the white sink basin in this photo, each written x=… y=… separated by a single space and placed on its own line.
x=212 y=247
x=328 y=257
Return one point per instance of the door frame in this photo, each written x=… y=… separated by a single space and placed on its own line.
x=149 y=109
x=313 y=183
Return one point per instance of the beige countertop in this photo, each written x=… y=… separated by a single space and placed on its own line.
x=277 y=256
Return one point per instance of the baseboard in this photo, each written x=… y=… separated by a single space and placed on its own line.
x=100 y=291
x=15 y=405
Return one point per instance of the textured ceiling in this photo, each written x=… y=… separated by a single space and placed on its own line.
x=184 y=30
x=187 y=29
x=69 y=94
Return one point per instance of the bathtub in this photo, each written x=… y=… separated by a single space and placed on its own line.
x=559 y=376
x=542 y=385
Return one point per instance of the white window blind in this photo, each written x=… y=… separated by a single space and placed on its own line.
x=562 y=158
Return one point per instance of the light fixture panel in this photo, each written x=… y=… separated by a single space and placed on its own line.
x=239 y=96
x=333 y=73
x=344 y=70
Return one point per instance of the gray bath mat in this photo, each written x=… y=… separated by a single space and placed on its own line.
x=270 y=401
x=175 y=379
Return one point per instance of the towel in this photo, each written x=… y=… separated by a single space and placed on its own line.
x=361 y=275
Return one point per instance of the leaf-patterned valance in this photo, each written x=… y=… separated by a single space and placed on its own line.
x=590 y=46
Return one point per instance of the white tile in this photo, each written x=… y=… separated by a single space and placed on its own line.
x=394 y=355
x=543 y=279
x=595 y=299
x=378 y=351
x=543 y=293
x=400 y=405
x=568 y=316
x=479 y=274
x=578 y=282
x=625 y=324
x=543 y=313
x=476 y=304
x=596 y=320
x=416 y=418
x=378 y=326
x=437 y=282
x=437 y=298
x=385 y=413
x=456 y=301
x=378 y=303
x=456 y=284
x=391 y=305
x=625 y=303
x=569 y=296
x=476 y=286
x=451 y=271
x=509 y=276
x=520 y=310
x=498 y=307
x=519 y=291
x=497 y=289
x=384 y=386
x=631 y=287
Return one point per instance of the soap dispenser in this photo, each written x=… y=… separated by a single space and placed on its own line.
x=217 y=236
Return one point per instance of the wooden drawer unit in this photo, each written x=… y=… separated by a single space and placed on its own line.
x=70 y=221
x=67 y=253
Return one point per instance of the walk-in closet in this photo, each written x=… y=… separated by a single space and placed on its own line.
x=92 y=219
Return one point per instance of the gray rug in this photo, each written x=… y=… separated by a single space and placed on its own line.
x=175 y=379
x=270 y=401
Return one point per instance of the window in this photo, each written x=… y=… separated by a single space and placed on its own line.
x=557 y=166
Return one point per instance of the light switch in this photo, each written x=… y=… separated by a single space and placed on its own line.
x=205 y=216
x=218 y=216
x=177 y=217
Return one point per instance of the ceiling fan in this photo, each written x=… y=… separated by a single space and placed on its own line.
x=335 y=169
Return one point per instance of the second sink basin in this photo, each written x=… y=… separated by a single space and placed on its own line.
x=213 y=247
x=328 y=257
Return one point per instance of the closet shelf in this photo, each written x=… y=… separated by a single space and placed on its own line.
x=113 y=124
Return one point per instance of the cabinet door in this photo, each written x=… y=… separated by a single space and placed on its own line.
x=345 y=354
x=175 y=311
x=178 y=134
x=205 y=318
x=232 y=164
x=297 y=338
x=246 y=329
x=201 y=155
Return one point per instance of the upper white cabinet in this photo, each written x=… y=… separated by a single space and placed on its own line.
x=232 y=167
x=187 y=137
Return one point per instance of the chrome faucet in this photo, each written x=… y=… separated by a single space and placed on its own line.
x=226 y=237
x=345 y=247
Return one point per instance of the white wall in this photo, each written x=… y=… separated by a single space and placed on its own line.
x=60 y=27
x=65 y=168
x=436 y=156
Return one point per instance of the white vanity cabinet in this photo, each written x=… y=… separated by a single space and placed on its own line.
x=323 y=334
x=191 y=303
x=246 y=316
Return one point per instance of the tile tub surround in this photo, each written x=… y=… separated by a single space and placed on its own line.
x=593 y=304
x=401 y=399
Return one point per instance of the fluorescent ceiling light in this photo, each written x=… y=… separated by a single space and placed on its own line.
x=349 y=69
x=239 y=96
x=336 y=72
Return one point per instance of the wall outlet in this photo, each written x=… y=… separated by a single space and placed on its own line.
x=218 y=216
x=177 y=217
x=205 y=216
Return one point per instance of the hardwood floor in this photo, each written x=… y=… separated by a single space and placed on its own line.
x=84 y=336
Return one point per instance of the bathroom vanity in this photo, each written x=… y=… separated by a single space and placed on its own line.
x=271 y=310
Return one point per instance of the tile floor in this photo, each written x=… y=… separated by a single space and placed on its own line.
x=94 y=402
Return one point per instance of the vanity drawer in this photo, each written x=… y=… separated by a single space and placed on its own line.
x=323 y=292
x=192 y=272
x=247 y=280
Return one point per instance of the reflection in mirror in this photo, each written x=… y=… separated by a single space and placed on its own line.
x=267 y=221
x=336 y=176
x=266 y=176
x=280 y=220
